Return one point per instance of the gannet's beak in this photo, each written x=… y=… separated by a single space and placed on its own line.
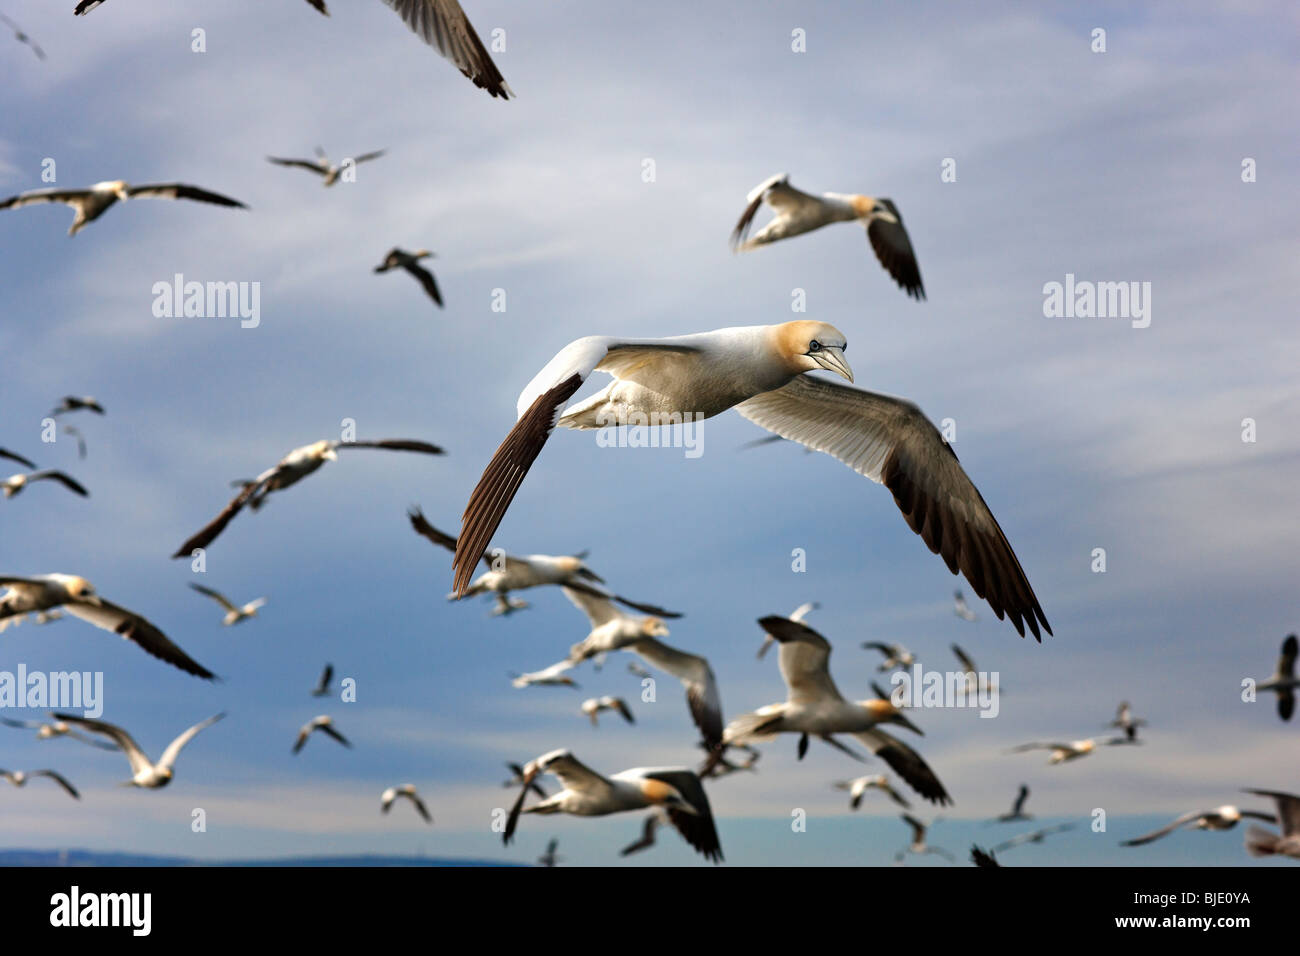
x=831 y=358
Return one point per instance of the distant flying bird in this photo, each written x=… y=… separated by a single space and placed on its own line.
x=410 y=261
x=594 y=705
x=982 y=858
x=918 y=844
x=799 y=613
x=54 y=729
x=14 y=456
x=614 y=630
x=553 y=676
x=144 y=773
x=1284 y=681
x=961 y=609
x=325 y=724
x=19 y=777
x=1017 y=811
x=93 y=202
x=649 y=828
x=1037 y=836
x=549 y=858
x=78 y=597
x=588 y=794
x=859 y=786
x=759 y=370
x=508 y=572
x=1125 y=720
x=1060 y=752
x=1260 y=842
x=518 y=780
x=798 y=212
x=81 y=441
x=1130 y=737
x=971 y=671
x=1220 y=818
x=74 y=403
x=234 y=613
x=22 y=37
x=408 y=791
x=322 y=166
x=634 y=668
x=896 y=655
x=814 y=705
x=291 y=469
x=16 y=483
x=322 y=689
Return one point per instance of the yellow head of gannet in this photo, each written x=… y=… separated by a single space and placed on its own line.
x=323 y=450
x=663 y=794
x=868 y=208
x=654 y=627
x=79 y=589
x=885 y=712
x=806 y=346
x=115 y=186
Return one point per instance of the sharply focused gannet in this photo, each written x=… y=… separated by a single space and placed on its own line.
x=1037 y=836
x=896 y=655
x=14 y=456
x=20 y=777
x=322 y=688
x=75 y=403
x=49 y=730
x=291 y=469
x=92 y=203
x=553 y=676
x=613 y=630
x=759 y=370
x=1284 y=681
x=508 y=572
x=1017 y=811
x=1220 y=818
x=1060 y=752
x=408 y=791
x=16 y=483
x=594 y=705
x=859 y=786
x=22 y=37
x=322 y=166
x=798 y=212
x=234 y=612
x=1260 y=842
x=410 y=261
x=325 y=724
x=78 y=597
x=918 y=844
x=587 y=794
x=802 y=611
x=961 y=608
x=144 y=773
x=814 y=705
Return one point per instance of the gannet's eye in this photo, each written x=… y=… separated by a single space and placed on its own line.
x=814 y=346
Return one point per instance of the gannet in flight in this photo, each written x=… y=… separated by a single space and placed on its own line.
x=508 y=572
x=1284 y=681
x=405 y=790
x=410 y=261
x=759 y=371
x=1060 y=752
x=587 y=794
x=918 y=844
x=802 y=611
x=22 y=37
x=859 y=786
x=16 y=483
x=1017 y=811
x=322 y=689
x=798 y=212
x=322 y=167
x=971 y=671
x=1260 y=842
x=81 y=441
x=960 y=607
x=78 y=597
x=518 y=780
x=594 y=705
x=75 y=403
x=144 y=773
x=549 y=858
x=1220 y=818
x=553 y=676
x=613 y=630
x=92 y=203
x=896 y=655
x=1037 y=836
x=14 y=456
x=814 y=705
x=325 y=724
x=291 y=469
x=53 y=729
x=20 y=777
x=1125 y=720
x=234 y=613
x=649 y=828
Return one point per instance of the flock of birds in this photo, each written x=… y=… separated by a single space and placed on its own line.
x=763 y=372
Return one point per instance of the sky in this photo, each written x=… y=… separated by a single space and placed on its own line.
x=1081 y=433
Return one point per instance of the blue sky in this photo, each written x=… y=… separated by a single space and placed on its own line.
x=1080 y=433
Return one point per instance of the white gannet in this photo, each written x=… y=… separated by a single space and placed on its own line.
x=322 y=688
x=649 y=828
x=144 y=773
x=22 y=37
x=322 y=166
x=1260 y=842
x=20 y=777
x=553 y=676
x=859 y=786
x=410 y=261
x=961 y=608
x=408 y=791
x=78 y=597
x=1060 y=752
x=92 y=203
x=896 y=655
x=50 y=730
x=815 y=706
x=234 y=612
x=759 y=371
x=1284 y=681
x=1017 y=811
x=613 y=630
x=1037 y=836
x=799 y=613
x=291 y=469
x=16 y=483
x=14 y=456
x=587 y=794
x=594 y=705
x=550 y=858
x=517 y=780
x=75 y=403
x=918 y=844
x=508 y=572
x=325 y=724
x=798 y=212
x=1220 y=818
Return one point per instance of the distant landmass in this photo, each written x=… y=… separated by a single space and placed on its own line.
x=94 y=858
